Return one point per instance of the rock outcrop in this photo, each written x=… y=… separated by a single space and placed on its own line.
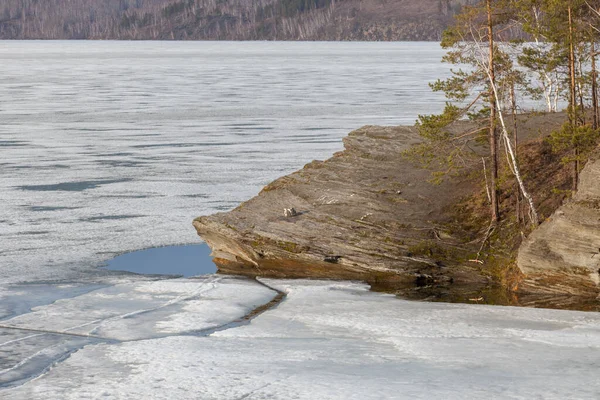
x=369 y=214
x=366 y=214
x=562 y=256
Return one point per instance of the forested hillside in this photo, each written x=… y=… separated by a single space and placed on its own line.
x=227 y=19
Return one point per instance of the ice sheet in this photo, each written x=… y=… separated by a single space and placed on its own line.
x=147 y=309
x=332 y=340
x=27 y=354
x=20 y=299
x=142 y=309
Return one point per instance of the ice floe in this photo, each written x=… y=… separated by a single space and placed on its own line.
x=141 y=309
x=335 y=340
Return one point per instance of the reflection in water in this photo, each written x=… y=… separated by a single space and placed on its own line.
x=494 y=295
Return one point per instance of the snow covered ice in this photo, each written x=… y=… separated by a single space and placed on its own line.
x=127 y=311
x=334 y=340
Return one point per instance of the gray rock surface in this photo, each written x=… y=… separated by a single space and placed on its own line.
x=366 y=213
x=563 y=254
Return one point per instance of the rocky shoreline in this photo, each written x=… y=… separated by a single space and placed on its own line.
x=368 y=214
x=563 y=254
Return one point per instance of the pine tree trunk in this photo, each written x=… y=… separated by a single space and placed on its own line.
x=575 y=168
x=493 y=110
x=572 y=72
x=513 y=158
x=573 y=93
x=594 y=85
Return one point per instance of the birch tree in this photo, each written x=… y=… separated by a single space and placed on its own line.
x=481 y=66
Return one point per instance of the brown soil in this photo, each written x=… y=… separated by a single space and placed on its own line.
x=546 y=178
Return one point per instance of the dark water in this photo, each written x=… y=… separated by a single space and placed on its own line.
x=186 y=261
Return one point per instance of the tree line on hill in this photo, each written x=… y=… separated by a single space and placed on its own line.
x=228 y=19
x=556 y=61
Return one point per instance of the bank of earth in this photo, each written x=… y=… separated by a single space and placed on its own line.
x=368 y=213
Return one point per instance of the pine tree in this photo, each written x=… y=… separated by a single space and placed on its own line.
x=471 y=42
x=564 y=26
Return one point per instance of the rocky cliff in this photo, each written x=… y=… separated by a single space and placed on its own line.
x=563 y=255
x=366 y=213
x=369 y=214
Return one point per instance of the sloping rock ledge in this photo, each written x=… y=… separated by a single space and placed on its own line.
x=366 y=214
x=563 y=254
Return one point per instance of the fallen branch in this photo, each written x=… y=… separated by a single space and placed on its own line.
x=489 y=232
x=476 y=261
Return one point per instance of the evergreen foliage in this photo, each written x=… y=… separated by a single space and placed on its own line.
x=556 y=63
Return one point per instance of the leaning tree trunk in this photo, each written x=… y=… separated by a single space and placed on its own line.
x=513 y=106
x=496 y=110
x=493 y=109
x=513 y=160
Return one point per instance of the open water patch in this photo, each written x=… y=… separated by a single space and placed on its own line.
x=50 y=208
x=121 y=163
x=13 y=143
x=187 y=260
x=77 y=186
x=110 y=217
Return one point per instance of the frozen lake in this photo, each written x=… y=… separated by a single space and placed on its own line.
x=111 y=147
